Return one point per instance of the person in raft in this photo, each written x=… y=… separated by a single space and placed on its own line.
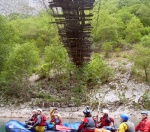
x=95 y=121
x=147 y=126
x=52 y=115
x=105 y=120
x=40 y=123
x=87 y=124
x=57 y=121
x=32 y=120
x=142 y=123
x=125 y=125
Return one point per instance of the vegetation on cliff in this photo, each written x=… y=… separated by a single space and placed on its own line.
x=30 y=44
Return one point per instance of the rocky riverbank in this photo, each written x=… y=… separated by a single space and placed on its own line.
x=70 y=112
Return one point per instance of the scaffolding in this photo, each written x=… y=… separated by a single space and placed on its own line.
x=73 y=18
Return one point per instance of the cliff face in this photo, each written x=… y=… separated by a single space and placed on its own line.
x=124 y=93
x=30 y=7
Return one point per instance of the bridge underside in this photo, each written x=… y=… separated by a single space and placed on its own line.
x=73 y=18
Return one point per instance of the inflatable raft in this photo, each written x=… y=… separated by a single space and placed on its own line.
x=16 y=126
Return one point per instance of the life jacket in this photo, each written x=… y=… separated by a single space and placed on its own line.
x=87 y=125
x=43 y=120
x=88 y=130
x=52 y=120
x=91 y=123
x=58 y=122
x=105 y=121
x=141 y=125
x=130 y=127
x=33 y=118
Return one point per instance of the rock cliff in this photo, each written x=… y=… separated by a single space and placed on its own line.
x=30 y=7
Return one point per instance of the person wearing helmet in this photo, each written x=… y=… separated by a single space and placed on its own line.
x=147 y=126
x=125 y=125
x=87 y=124
x=52 y=115
x=52 y=112
x=32 y=120
x=57 y=121
x=142 y=123
x=95 y=121
x=40 y=123
x=105 y=120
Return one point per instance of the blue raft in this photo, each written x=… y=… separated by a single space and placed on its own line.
x=16 y=126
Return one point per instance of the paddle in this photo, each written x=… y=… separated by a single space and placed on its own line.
x=62 y=128
x=98 y=108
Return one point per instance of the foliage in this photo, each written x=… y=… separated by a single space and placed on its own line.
x=141 y=59
x=133 y=30
x=6 y=40
x=107 y=48
x=36 y=29
x=146 y=100
x=143 y=13
x=22 y=60
x=105 y=30
x=123 y=21
x=57 y=57
x=18 y=67
x=146 y=41
x=97 y=70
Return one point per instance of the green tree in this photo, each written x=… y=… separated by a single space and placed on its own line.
x=127 y=3
x=37 y=29
x=146 y=41
x=107 y=48
x=106 y=28
x=97 y=69
x=22 y=60
x=18 y=68
x=133 y=30
x=6 y=40
x=143 y=13
x=57 y=58
x=141 y=58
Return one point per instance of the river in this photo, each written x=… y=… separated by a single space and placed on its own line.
x=4 y=120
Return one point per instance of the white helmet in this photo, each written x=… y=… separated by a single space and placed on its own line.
x=39 y=110
x=34 y=110
x=105 y=111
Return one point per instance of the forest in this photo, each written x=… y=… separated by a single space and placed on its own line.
x=31 y=45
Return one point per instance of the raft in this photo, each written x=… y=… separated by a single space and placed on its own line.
x=16 y=126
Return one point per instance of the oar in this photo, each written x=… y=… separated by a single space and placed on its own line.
x=98 y=108
x=62 y=128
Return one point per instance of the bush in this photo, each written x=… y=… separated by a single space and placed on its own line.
x=146 y=41
x=18 y=67
x=141 y=59
x=146 y=100
x=97 y=70
x=107 y=48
